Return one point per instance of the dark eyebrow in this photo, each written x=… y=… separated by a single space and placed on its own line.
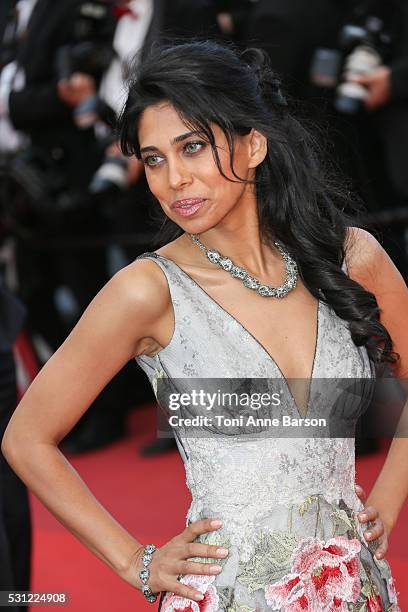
x=175 y=140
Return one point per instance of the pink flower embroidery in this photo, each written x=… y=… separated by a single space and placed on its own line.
x=175 y=603
x=324 y=576
x=374 y=604
x=392 y=592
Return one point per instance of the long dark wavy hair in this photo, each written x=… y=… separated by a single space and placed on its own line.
x=300 y=199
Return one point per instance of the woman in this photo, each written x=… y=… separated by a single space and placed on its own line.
x=228 y=163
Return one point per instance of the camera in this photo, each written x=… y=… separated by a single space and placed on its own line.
x=110 y=176
x=90 y=50
x=34 y=192
x=361 y=49
x=90 y=57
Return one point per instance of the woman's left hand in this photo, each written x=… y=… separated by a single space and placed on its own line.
x=378 y=530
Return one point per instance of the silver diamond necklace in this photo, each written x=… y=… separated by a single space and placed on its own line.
x=250 y=281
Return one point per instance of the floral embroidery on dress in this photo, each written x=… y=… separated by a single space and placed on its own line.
x=273 y=552
x=342 y=522
x=321 y=573
x=229 y=603
x=392 y=592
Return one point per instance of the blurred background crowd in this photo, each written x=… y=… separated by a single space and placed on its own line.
x=74 y=210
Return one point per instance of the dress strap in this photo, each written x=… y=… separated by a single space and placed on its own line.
x=180 y=294
x=169 y=271
x=182 y=288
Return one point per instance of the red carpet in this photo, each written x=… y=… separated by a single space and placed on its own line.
x=148 y=496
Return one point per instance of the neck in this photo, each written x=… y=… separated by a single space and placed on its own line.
x=247 y=249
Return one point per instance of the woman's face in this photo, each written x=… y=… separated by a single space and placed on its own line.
x=182 y=173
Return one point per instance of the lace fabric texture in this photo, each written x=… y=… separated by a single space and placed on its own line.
x=283 y=501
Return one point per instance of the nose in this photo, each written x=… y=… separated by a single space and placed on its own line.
x=178 y=174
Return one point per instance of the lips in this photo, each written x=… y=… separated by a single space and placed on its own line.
x=188 y=206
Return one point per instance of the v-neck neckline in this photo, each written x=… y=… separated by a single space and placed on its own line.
x=266 y=353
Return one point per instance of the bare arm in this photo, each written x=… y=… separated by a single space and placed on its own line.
x=370 y=265
x=115 y=327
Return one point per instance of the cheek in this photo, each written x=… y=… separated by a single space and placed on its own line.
x=239 y=169
x=155 y=181
x=208 y=172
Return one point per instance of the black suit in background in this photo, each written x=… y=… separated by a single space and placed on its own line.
x=182 y=19
x=37 y=108
x=15 y=521
x=290 y=31
x=386 y=139
x=38 y=111
x=392 y=120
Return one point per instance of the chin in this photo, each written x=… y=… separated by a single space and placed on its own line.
x=197 y=227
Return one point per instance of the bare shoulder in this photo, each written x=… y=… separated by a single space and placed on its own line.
x=361 y=246
x=363 y=253
x=144 y=284
x=369 y=264
x=136 y=302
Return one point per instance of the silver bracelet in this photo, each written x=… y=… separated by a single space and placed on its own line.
x=145 y=573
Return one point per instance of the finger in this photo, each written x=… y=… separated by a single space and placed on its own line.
x=368 y=514
x=360 y=493
x=196 y=549
x=191 y=567
x=382 y=549
x=197 y=528
x=363 y=79
x=374 y=532
x=185 y=591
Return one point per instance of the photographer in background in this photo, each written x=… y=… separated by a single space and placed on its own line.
x=60 y=38
x=386 y=99
x=290 y=32
x=312 y=45
x=375 y=87
x=60 y=60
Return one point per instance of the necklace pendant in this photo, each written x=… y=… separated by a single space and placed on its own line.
x=226 y=264
x=281 y=292
x=251 y=282
x=267 y=291
x=213 y=256
x=238 y=272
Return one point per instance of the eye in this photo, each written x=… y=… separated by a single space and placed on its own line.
x=194 y=147
x=190 y=148
x=152 y=160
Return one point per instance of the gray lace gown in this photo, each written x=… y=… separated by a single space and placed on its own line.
x=288 y=504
